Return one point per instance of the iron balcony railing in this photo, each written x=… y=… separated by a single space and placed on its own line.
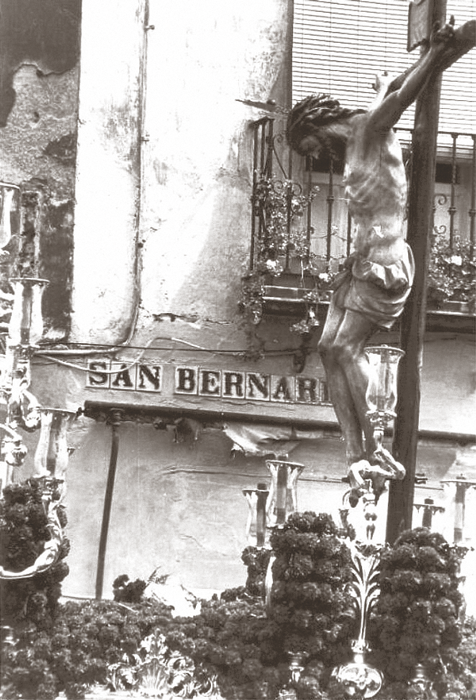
x=300 y=222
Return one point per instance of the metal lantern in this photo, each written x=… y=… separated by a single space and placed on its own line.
x=283 y=491
x=461 y=478
x=26 y=324
x=420 y=682
x=52 y=454
x=368 y=476
x=256 y=524
x=461 y=486
x=15 y=368
x=356 y=678
x=429 y=509
x=381 y=393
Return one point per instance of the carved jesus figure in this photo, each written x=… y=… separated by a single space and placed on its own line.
x=371 y=291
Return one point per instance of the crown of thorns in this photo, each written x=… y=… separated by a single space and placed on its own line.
x=311 y=113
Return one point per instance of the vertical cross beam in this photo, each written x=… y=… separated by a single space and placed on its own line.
x=420 y=223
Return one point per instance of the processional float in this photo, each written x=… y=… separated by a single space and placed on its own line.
x=22 y=410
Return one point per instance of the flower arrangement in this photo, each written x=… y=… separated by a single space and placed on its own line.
x=253 y=293
x=416 y=618
x=234 y=648
x=452 y=271
x=310 y=602
x=126 y=591
x=256 y=559
x=76 y=650
x=310 y=320
x=279 y=243
x=233 y=638
x=23 y=534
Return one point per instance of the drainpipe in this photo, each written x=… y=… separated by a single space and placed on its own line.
x=114 y=420
x=142 y=140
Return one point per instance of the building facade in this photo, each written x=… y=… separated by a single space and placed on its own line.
x=136 y=159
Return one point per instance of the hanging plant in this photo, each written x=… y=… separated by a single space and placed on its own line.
x=452 y=271
x=252 y=293
x=278 y=207
x=310 y=320
x=277 y=204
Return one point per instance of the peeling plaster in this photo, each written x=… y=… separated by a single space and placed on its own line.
x=45 y=112
x=44 y=33
x=39 y=52
x=63 y=149
x=196 y=214
x=37 y=152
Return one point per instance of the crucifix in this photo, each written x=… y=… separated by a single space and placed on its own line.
x=378 y=276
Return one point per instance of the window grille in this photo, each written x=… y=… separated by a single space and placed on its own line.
x=315 y=235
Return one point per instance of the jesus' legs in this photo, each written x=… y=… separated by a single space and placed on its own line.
x=342 y=351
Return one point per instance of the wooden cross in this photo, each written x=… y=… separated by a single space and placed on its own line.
x=420 y=223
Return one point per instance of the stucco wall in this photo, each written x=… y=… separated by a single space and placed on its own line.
x=197 y=164
x=179 y=505
x=449 y=384
x=39 y=53
x=160 y=126
x=108 y=170
x=161 y=236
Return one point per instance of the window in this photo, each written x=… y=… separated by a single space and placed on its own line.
x=339 y=45
x=324 y=222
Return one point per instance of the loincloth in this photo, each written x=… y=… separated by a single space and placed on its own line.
x=378 y=292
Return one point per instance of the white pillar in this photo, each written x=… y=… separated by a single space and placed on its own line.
x=108 y=169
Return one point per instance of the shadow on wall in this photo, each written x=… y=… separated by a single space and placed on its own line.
x=213 y=281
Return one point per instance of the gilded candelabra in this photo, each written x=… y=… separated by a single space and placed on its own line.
x=368 y=480
x=358 y=679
